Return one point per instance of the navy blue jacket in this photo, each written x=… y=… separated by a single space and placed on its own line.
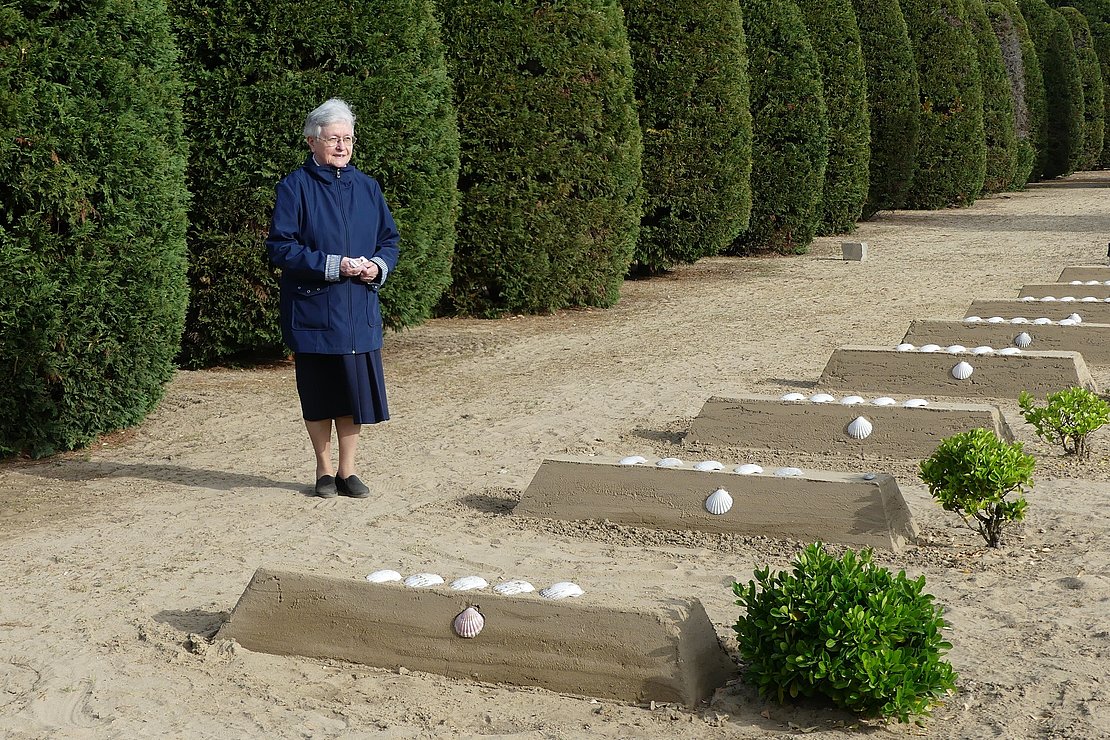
x=322 y=215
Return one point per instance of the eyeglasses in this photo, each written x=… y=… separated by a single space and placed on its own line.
x=333 y=140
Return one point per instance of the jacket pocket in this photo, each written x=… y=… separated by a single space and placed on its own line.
x=311 y=307
x=373 y=310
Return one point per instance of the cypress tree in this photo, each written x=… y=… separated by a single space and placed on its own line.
x=92 y=219
x=1093 y=104
x=551 y=154
x=836 y=39
x=892 y=100
x=1027 y=83
x=1063 y=131
x=1097 y=13
x=255 y=71
x=998 y=103
x=952 y=156
x=790 y=129
x=690 y=70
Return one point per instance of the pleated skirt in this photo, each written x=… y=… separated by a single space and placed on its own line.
x=332 y=386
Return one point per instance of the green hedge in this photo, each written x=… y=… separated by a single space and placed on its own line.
x=1063 y=130
x=551 y=154
x=998 y=103
x=1026 y=87
x=892 y=100
x=691 y=78
x=836 y=39
x=790 y=144
x=1094 y=111
x=92 y=219
x=1097 y=13
x=255 y=71
x=952 y=156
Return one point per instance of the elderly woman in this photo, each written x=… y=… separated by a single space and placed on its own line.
x=335 y=242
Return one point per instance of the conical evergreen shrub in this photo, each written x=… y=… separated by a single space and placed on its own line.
x=1097 y=13
x=952 y=154
x=690 y=69
x=892 y=100
x=92 y=219
x=836 y=39
x=1094 y=110
x=551 y=154
x=254 y=73
x=790 y=129
x=998 y=103
x=1024 y=70
x=1063 y=133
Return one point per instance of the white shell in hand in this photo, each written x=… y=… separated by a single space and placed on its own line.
x=561 y=590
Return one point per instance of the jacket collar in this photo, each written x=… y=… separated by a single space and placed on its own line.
x=324 y=172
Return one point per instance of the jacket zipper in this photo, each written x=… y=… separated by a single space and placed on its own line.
x=346 y=252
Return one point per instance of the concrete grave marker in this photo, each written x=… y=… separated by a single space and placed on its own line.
x=1090 y=340
x=1057 y=290
x=1084 y=273
x=1097 y=312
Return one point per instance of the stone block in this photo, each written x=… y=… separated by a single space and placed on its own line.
x=854 y=251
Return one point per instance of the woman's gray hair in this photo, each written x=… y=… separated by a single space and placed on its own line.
x=330 y=111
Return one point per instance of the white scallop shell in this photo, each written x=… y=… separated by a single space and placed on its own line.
x=1041 y=321
x=423 y=580
x=787 y=472
x=383 y=576
x=883 y=401
x=669 y=462
x=1077 y=282
x=905 y=347
x=469 y=583
x=860 y=428
x=719 y=502
x=469 y=622
x=1076 y=318
x=633 y=460
x=973 y=319
x=983 y=350
x=1067 y=299
x=748 y=469
x=1028 y=298
x=1023 y=340
x=822 y=398
x=915 y=403
x=793 y=397
x=962 y=371
x=870 y=476
x=1009 y=351
x=709 y=465
x=956 y=349
x=1068 y=322
x=1089 y=299
x=561 y=590
x=1019 y=320
x=1048 y=299
x=512 y=588
x=996 y=320
x=851 y=400
x=928 y=348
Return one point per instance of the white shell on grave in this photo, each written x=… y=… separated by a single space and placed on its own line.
x=669 y=462
x=860 y=428
x=928 y=348
x=423 y=580
x=1076 y=318
x=869 y=476
x=719 y=502
x=1028 y=299
x=973 y=319
x=469 y=583
x=383 y=576
x=996 y=320
x=822 y=398
x=1068 y=322
x=512 y=588
x=561 y=590
x=633 y=460
x=709 y=465
x=983 y=350
x=1048 y=299
x=905 y=347
x=956 y=349
x=915 y=403
x=1089 y=299
x=788 y=472
x=962 y=371
x=1019 y=320
x=748 y=469
x=1042 y=321
x=883 y=401
x=1076 y=282
x=851 y=400
x=1009 y=351
x=1023 y=340
x=469 y=622
x=793 y=397
x=1067 y=299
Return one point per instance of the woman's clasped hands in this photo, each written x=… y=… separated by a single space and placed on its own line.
x=360 y=267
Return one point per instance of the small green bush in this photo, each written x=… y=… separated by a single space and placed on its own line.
x=972 y=473
x=1094 y=112
x=845 y=629
x=1068 y=419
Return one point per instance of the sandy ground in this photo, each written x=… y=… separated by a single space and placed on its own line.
x=121 y=561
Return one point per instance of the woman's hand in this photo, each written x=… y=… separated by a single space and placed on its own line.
x=369 y=272
x=353 y=266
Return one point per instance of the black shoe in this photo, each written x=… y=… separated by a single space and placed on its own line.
x=352 y=486
x=325 y=487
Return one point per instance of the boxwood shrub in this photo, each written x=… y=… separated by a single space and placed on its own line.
x=1094 y=111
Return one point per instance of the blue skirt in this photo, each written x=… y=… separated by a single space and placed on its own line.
x=332 y=386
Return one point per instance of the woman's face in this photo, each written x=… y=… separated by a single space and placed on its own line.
x=333 y=145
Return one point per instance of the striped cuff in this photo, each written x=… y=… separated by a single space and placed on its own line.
x=383 y=269
x=331 y=269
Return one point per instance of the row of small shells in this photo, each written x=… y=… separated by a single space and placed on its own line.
x=711 y=466
x=1021 y=340
x=1065 y=299
x=1071 y=320
x=560 y=590
x=1090 y=282
x=912 y=403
